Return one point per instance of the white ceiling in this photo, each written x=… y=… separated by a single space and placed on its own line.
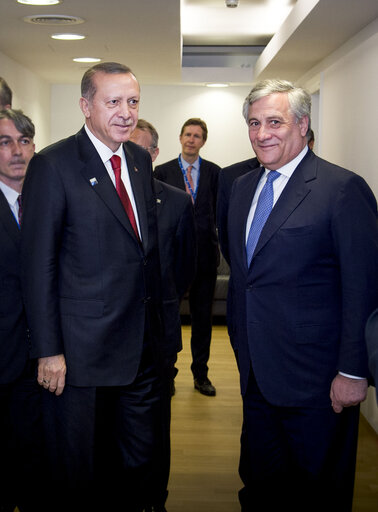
x=151 y=36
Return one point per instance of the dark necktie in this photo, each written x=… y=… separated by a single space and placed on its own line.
x=122 y=192
x=263 y=209
x=19 y=200
x=190 y=181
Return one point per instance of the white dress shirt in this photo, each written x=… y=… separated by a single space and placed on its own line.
x=105 y=155
x=11 y=196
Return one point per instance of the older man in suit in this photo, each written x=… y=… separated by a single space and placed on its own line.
x=19 y=391
x=199 y=178
x=302 y=242
x=90 y=254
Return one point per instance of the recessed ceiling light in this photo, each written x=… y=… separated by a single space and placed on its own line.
x=216 y=85
x=39 y=2
x=86 y=59
x=68 y=37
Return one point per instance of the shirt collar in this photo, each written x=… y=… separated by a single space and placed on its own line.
x=289 y=168
x=102 y=149
x=186 y=164
x=10 y=194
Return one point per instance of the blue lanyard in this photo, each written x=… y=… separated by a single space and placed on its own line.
x=193 y=193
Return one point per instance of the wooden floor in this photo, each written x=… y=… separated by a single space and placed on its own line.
x=205 y=439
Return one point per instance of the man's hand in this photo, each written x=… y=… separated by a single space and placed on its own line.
x=346 y=392
x=52 y=373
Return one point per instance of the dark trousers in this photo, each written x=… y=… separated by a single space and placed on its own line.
x=21 y=442
x=102 y=444
x=201 y=296
x=296 y=458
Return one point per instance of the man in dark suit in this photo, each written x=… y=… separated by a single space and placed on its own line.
x=303 y=286
x=199 y=178
x=19 y=391
x=177 y=249
x=92 y=291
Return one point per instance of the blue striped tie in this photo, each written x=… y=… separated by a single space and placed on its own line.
x=263 y=209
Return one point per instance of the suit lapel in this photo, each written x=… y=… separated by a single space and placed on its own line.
x=8 y=221
x=138 y=191
x=97 y=177
x=293 y=194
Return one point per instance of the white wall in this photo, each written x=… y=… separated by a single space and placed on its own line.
x=348 y=110
x=30 y=94
x=167 y=108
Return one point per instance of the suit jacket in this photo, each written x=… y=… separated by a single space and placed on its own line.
x=204 y=208
x=13 y=329
x=300 y=308
x=177 y=246
x=227 y=176
x=91 y=289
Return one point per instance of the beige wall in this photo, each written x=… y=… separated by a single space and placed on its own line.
x=31 y=94
x=167 y=108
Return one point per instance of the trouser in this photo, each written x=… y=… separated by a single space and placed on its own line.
x=201 y=296
x=21 y=442
x=102 y=445
x=296 y=458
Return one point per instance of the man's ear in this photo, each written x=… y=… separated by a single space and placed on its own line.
x=84 y=106
x=303 y=125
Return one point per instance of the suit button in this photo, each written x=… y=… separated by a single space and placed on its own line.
x=145 y=261
x=146 y=299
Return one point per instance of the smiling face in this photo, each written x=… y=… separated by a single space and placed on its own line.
x=16 y=151
x=112 y=114
x=276 y=135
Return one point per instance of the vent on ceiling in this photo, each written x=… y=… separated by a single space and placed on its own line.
x=47 y=19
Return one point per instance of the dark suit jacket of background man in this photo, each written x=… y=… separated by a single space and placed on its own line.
x=201 y=292
x=301 y=307
x=177 y=247
x=204 y=207
x=105 y=288
x=18 y=385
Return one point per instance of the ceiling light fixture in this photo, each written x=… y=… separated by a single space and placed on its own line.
x=232 y=3
x=216 y=85
x=68 y=37
x=39 y=2
x=86 y=59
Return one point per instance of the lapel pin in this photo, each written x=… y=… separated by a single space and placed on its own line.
x=136 y=169
x=93 y=182
x=158 y=200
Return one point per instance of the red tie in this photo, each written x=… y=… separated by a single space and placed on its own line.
x=122 y=192
x=190 y=180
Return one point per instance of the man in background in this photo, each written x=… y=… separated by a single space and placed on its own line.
x=92 y=296
x=19 y=391
x=5 y=95
x=177 y=246
x=302 y=244
x=199 y=178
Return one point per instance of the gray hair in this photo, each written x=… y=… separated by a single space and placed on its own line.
x=88 y=89
x=299 y=99
x=22 y=122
